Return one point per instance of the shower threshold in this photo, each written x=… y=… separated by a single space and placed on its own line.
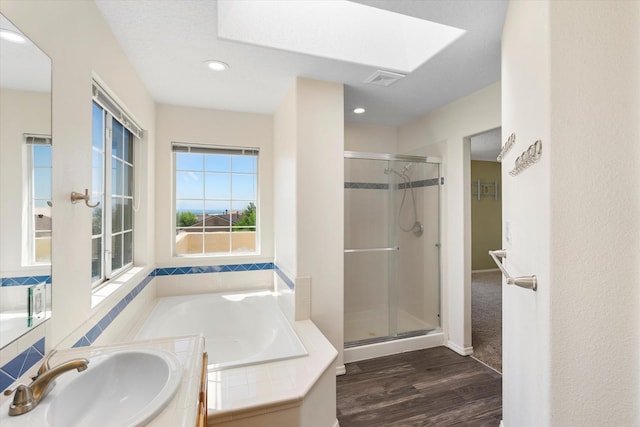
x=371 y=348
x=376 y=340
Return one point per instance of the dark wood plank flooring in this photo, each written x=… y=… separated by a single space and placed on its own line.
x=432 y=387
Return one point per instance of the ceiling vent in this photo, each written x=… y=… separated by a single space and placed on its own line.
x=384 y=78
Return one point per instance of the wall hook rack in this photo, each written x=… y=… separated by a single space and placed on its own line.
x=76 y=197
x=527 y=282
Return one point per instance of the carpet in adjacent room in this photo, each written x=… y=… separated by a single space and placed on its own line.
x=486 y=317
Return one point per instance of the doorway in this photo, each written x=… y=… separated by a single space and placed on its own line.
x=486 y=234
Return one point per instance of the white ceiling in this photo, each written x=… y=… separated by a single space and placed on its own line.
x=486 y=146
x=24 y=66
x=168 y=41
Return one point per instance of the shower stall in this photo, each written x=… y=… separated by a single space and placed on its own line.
x=391 y=250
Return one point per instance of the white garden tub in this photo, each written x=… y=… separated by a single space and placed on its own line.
x=240 y=328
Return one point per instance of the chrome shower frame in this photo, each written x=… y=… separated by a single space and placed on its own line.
x=417 y=334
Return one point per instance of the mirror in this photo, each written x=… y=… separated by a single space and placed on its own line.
x=25 y=184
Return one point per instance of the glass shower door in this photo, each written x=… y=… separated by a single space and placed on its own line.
x=370 y=251
x=391 y=248
x=416 y=189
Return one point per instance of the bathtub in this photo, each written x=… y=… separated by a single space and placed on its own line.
x=240 y=328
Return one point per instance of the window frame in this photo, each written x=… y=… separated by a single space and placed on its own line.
x=104 y=195
x=181 y=147
x=31 y=141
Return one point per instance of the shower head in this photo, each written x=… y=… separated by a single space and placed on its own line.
x=402 y=174
x=387 y=171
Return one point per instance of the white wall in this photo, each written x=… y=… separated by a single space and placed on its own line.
x=526 y=348
x=320 y=203
x=309 y=145
x=80 y=45
x=570 y=78
x=444 y=133
x=285 y=184
x=215 y=127
x=370 y=138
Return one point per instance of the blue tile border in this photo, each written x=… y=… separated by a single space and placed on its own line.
x=377 y=186
x=366 y=185
x=92 y=335
x=284 y=277
x=24 y=280
x=14 y=369
x=421 y=183
x=223 y=268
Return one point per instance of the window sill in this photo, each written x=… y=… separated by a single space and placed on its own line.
x=111 y=286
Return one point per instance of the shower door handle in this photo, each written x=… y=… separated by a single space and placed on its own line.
x=350 y=251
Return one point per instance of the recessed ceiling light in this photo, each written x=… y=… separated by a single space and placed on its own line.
x=359 y=110
x=12 y=36
x=217 y=65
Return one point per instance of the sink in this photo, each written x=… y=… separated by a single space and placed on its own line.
x=122 y=388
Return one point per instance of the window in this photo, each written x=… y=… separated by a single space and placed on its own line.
x=39 y=196
x=215 y=200
x=112 y=186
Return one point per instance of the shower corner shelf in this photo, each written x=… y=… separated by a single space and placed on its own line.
x=484 y=189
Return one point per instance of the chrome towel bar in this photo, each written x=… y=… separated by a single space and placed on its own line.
x=527 y=282
x=350 y=251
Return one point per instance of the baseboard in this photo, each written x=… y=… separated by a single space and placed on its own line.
x=341 y=370
x=501 y=423
x=488 y=270
x=463 y=351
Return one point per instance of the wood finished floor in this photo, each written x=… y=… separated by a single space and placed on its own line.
x=432 y=387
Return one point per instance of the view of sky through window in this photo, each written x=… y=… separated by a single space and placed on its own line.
x=215 y=183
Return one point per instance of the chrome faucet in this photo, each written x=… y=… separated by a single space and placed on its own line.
x=28 y=397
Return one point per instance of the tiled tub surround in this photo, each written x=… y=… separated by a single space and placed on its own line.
x=301 y=391
x=297 y=390
x=181 y=409
x=24 y=353
x=17 y=366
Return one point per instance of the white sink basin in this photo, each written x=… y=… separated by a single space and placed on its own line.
x=123 y=388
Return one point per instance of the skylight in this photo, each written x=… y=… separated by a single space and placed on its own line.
x=336 y=29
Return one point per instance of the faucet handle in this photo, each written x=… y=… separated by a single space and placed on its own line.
x=23 y=400
x=45 y=365
x=23 y=394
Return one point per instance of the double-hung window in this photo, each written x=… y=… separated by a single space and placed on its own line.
x=38 y=150
x=113 y=139
x=216 y=199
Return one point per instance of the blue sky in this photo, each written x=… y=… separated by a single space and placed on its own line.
x=215 y=183
x=41 y=175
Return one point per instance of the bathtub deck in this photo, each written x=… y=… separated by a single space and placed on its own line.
x=428 y=387
x=283 y=387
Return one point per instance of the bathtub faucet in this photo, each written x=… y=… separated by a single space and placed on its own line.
x=28 y=397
